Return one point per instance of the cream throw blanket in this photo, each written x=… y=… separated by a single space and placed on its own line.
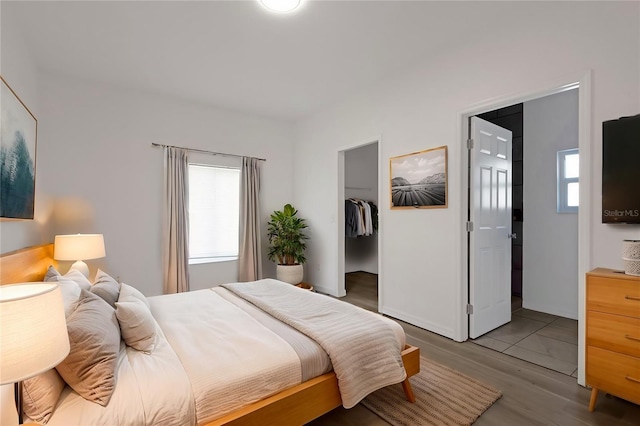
x=363 y=348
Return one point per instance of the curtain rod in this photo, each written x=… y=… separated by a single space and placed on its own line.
x=203 y=151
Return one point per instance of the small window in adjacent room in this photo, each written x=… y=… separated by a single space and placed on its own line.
x=568 y=181
x=214 y=212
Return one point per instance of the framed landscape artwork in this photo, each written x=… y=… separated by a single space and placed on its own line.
x=419 y=180
x=18 y=129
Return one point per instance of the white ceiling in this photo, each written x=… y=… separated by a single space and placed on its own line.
x=235 y=54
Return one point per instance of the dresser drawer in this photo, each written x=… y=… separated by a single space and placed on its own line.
x=616 y=296
x=614 y=373
x=614 y=332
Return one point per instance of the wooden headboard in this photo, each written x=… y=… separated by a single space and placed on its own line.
x=26 y=265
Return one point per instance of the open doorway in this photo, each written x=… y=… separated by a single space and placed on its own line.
x=359 y=258
x=544 y=234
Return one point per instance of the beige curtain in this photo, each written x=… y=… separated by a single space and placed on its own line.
x=175 y=232
x=249 y=257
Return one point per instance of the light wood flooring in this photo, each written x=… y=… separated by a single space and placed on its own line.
x=532 y=395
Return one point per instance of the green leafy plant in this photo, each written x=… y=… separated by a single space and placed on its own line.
x=286 y=237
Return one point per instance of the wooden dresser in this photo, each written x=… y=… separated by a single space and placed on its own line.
x=613 y=334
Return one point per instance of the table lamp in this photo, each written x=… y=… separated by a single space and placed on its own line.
x=79 y=247
x=33 y=336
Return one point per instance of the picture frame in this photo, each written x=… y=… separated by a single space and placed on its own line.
x=18 y=142
x=419 y=180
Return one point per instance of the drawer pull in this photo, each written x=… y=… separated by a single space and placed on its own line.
x=637 y=339
x=632 y=298
x=632 y=379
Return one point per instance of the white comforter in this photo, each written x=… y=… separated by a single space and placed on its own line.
x=210 y=358
x=233 y=359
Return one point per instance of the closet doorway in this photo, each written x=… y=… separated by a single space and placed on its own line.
x=359 y=240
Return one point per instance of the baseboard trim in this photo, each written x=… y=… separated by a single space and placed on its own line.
x=419 y=322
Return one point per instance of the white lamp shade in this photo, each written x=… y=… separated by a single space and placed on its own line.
x=79 y=247
x=33 y=330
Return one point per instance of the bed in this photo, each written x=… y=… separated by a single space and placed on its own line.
x=267 y=373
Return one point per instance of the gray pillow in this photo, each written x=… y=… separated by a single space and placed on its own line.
x=106 y=287
x=76 y=276
x=52 y=274
x=40 y=395
x=137 y=325
x=94 y=338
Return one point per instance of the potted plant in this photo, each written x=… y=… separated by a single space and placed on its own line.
x=287 y=244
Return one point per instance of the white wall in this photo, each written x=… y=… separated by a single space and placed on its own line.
x=95 y=150
x=550 y=246
x=361 y=181
x=19 y=71
x=421 y=275
x=96 y=170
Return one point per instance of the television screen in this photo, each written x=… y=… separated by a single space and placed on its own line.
x=621 y=170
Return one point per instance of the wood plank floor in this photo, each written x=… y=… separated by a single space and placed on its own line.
x=532 y=395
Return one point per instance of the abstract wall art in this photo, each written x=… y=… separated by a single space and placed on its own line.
x=18 y=129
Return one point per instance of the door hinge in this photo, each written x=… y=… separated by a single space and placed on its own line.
x=469 y=143
x=469 y=226
x=469 y=309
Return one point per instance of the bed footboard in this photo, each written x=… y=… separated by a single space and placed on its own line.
x=308 y=400
x=411 y=360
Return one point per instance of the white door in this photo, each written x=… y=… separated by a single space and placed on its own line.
x=490 y=229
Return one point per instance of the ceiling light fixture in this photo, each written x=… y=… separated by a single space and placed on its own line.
x=281 y=6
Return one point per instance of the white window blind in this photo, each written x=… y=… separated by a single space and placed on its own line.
x=214 y=212
x=568 y=181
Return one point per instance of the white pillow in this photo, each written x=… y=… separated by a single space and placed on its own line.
x=53 y=275
x=137 y=325
x=127 y=291
x=70 y=294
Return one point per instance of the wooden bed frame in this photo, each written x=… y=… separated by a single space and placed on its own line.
x=294 y=406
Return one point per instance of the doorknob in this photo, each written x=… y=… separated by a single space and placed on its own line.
x=513 y=236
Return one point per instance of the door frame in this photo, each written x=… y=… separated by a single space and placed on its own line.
x=582 y=81
x=341 y=218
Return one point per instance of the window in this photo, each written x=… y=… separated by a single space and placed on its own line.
x=214 y=212
x=568 y=181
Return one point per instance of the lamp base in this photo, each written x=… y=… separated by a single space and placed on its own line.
x=81 y=267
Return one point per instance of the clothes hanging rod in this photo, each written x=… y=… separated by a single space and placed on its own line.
x=203 y=151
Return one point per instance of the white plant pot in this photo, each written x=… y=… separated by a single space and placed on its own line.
x=291 y=274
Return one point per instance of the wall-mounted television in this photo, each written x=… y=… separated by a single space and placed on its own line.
x=621 y=170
